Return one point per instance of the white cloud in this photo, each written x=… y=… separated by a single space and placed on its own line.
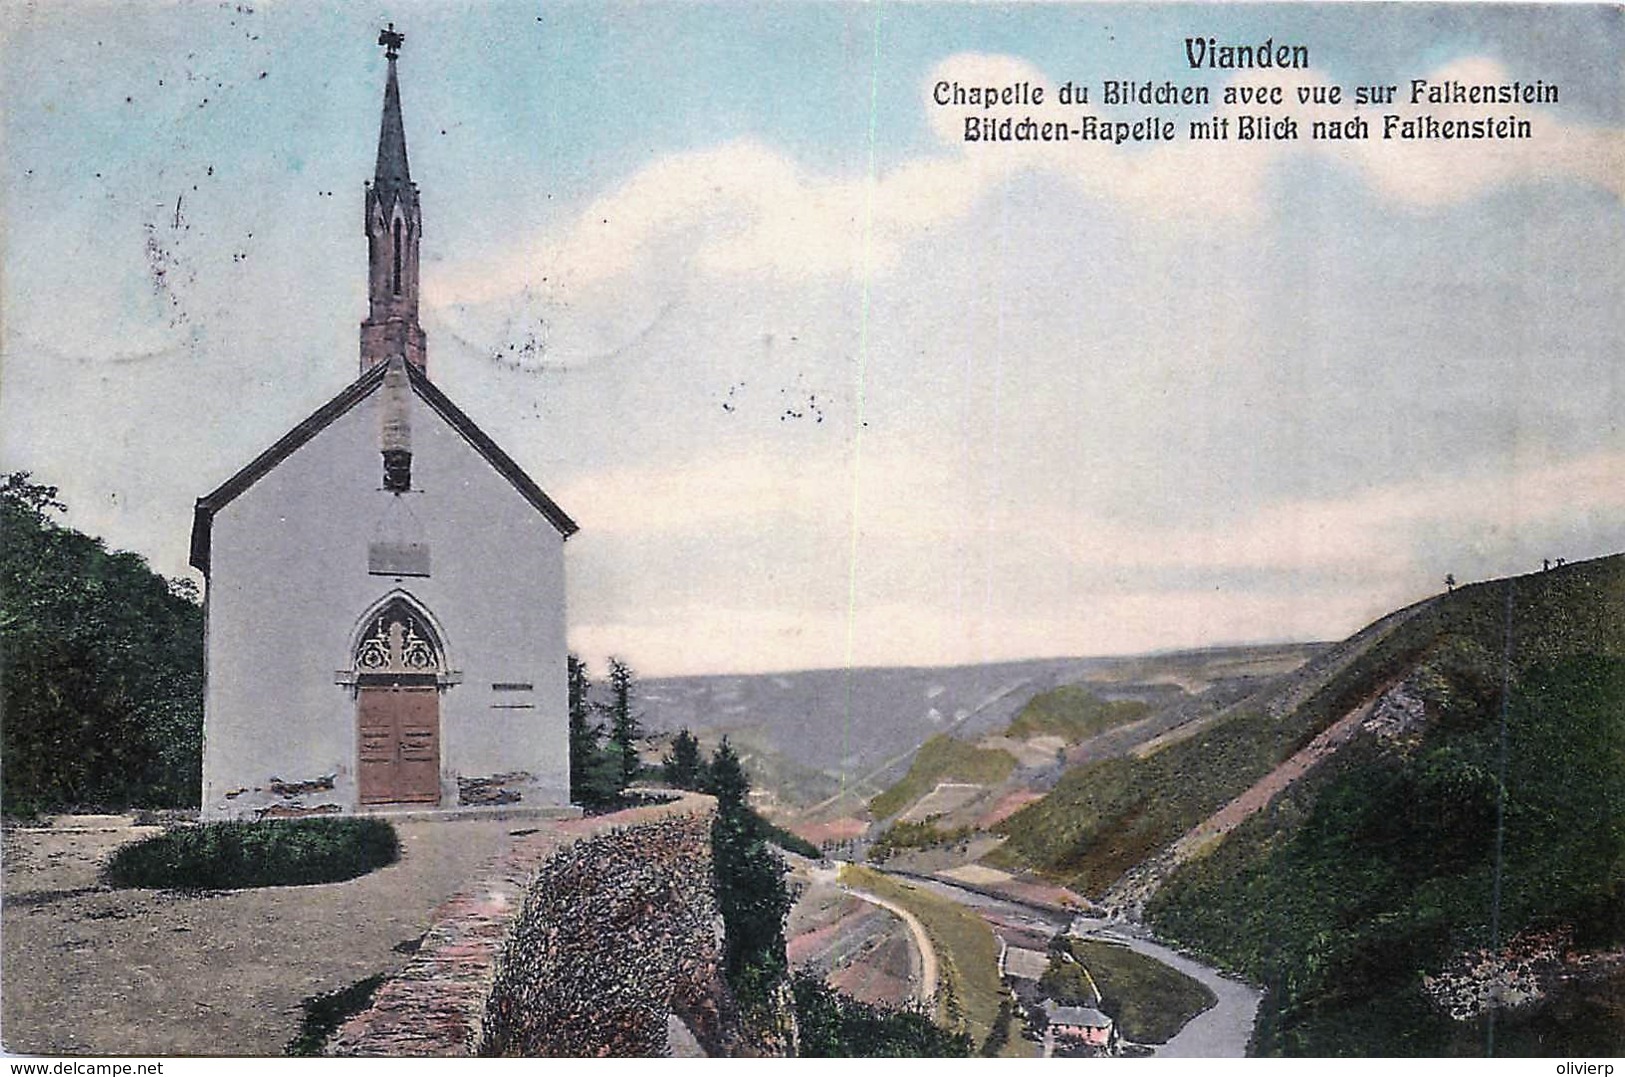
x=977 y=581
x=744 y=209
x=907 y=498
x=1373 y=533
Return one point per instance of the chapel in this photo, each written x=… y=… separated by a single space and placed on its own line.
x=384 y=612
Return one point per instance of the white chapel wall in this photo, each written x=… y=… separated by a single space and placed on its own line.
x=289 y=583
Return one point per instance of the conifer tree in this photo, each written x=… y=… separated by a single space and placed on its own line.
x=750 y=884
x=684 y=769
x=594 y=773
x=624 y=728
x=581 y=731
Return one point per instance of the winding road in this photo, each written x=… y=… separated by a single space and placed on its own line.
x=926 y=989
x=1221 y=1031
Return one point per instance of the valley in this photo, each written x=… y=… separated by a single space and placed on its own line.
x=1330 y=829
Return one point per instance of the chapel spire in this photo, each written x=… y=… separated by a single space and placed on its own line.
x=392 y=171
x=394 y=223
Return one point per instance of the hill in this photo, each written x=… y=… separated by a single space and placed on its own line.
x=1466 y=845
x=942 y=758
x=811 y=736
x=1118 y=809
x=1073 y=713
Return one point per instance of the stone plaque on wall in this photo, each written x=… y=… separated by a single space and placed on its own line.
x=398 y=558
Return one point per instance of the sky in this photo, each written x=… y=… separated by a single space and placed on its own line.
x=822 y=384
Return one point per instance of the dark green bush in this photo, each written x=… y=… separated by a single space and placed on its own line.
x=228 y=856
x=833 y=1025
x=923 y=834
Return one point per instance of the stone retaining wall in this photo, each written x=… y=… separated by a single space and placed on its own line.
x=582 y=941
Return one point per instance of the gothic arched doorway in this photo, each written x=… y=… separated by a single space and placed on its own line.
x=398 y=660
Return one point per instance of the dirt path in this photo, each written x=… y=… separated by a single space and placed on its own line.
x=89 y=970
x=860 y=949
x=1298 y=687
x=1270 y=785
x=927 y=990
x=1129 y=894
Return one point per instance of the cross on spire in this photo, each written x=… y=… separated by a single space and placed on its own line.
x=392 y=41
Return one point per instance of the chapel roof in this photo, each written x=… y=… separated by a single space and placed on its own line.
x=211 y=503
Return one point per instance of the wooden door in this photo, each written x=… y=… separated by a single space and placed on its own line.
x=399 y=744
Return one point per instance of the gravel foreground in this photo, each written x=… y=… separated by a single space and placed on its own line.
x=92 y=971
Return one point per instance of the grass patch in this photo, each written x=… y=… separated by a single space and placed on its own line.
x=1073 y=713
x=1149 y=1000
x=325 y=1013
x=968 y=986
x=943 y=758
x=229 y=856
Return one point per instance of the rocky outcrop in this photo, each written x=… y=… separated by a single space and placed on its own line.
x=618 y=932
x=584 y=940
x=1398 y=712
x=1515 y=975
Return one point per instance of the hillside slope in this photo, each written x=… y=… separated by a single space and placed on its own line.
x=1114 y=812
x=942 y=758
x=807 y=735
x=1454 y=853
x=846 y=735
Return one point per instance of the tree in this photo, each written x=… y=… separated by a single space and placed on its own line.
x=750 y=884
x=624 y=728
x=833 y=1025
x=725 y=779
x=583 y=735
x=34 y=499
x=594 y=773
x=103 y=686
x=684 y=767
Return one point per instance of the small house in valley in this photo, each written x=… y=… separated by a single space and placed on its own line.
x=1078 y=1026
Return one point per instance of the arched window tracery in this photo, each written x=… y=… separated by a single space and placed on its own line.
x=398 y=640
